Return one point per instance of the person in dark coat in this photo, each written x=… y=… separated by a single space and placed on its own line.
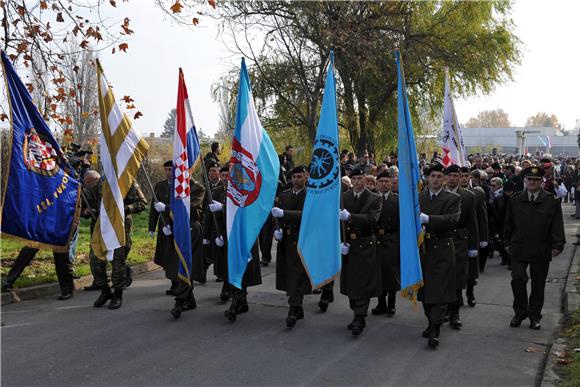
x=360 y=278
x=388 y=246
x=482 y=228
x=534 y=234
x=465 y=240
x=500 y=201
x=290 y=274
x=440 y=211
x=252 y=275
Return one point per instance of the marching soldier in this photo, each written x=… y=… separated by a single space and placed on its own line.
x=290 y=274
x=533 y=235
x=482 y=229
x=388 y=246
x=360 y=278
x=134 y=203
x=465 y=240
x=440 y=214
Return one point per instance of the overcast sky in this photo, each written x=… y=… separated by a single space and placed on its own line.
x=547 y=80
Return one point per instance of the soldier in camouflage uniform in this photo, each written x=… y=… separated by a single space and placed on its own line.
x=134 y=202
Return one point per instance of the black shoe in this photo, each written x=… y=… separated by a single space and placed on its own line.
x=471 y=300
x=264 y=263
x=105 y=296
x=455 y=322
x=391 y=311
x=433 y=343
x=349 y=326
x=65 y=296
x=117 y=299
x=177 y=309
x=325 y=299
x=380 y=309
x=427 y=331
x=242 y=308
x=225 y=293
x=169 y=292
x=231 y=313
x=291 y=318
x=91 y=287
x=129 y=277
x=517 y=321
x=358 y=325
x=535 y=325
x=189 y=304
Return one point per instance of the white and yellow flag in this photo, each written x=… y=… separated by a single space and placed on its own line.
x=122 y=150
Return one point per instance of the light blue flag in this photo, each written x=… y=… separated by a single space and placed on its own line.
x=254 y=170
x=409 y=187
x=319 y=239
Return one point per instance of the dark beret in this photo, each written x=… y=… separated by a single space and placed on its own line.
x=357 y=172
x=168 y=163
x=509 y=186
x=384 y=173
x=298 y=169
x=534 y=171
x=454 y=168
x=435 y=167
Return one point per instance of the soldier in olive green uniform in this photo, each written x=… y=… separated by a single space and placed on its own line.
x=465 y=240
x=533 y=235
x=290 y=274
x=440 y=214
x=388 y=246
x=360 y=278
x=134 y=203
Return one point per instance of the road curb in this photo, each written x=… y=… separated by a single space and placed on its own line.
x=570 y=303
x=51 y=289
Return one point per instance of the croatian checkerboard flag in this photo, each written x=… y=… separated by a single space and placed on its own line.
x=180 y=197
x=254 y=168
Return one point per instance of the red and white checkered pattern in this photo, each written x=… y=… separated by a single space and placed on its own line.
x=181 y=177
x=447 y=161
x=41 y=153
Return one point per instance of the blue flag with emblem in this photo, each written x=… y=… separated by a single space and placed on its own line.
x=319 y=239
x=40 y=195
x=409 y=187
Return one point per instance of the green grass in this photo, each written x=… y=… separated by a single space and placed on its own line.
x=41 y=270
x=571 y=371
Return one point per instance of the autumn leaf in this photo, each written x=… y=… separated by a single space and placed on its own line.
x=125 y=26
x=212 y=3
x=131 y=106
x=3 y=117
x=43 y=5
x=137 y=115
x=127 y=99
x=59 y=17
x=84 y=44
x=113 y=3
x=123 y=47
x=195 y=21
x=30 y=87
x=113 y=50
x=176 y=8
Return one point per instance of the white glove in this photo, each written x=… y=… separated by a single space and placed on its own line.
x=219 y=241
x=151 y=234
x=424 y=218
x=160 y=207
x=278 y=234
x=215 y=206
x=205 y=242
x=344 y=248
x=483 y=244
x=167 y=230
x=344 y=215
x=561 y=191
x=472 y=253
x=277 y=212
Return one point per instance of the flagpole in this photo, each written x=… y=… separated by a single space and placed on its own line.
x=152 y=190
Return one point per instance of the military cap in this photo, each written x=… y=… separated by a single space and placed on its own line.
x=224 y=169
x=454 y=168
x=534 y=172
x=509 y=186
x=213 y=165
x=298 y=169
x=357 y=172
x=384 y=173
x=435 y=167
x=464 y=169
x=168 y=163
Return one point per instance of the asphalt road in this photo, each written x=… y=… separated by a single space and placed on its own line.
x=47 y=342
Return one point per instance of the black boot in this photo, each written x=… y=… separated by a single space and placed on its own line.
x=349 y=326
x=243 y=306
x=454 y=320
x=232 y=313
x=358 y=325
x=190 y=303
x=381 y=307
x=470 y=296
x=105 y=296
x=391 y=305
x=433 y=342
x=427 y=331
x=292 y=317
x=225 y=293
x=117 y=299
x=326 y=298
x=177 y=309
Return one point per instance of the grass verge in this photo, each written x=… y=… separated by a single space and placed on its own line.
x=569 y=367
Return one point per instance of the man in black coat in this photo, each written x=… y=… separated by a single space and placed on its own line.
x=465 y=240
x=290 y=274
x=360 y=278
x=388 y=246
x=534 y=234
x=440 y=214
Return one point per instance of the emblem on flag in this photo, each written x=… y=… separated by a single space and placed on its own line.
x=246 y=179
x=39 y=155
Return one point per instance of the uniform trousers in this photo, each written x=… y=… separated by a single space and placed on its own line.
x=523 y=306
x=118 y=274
x=360 y=306
x=295 y=300
x=435 y=313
